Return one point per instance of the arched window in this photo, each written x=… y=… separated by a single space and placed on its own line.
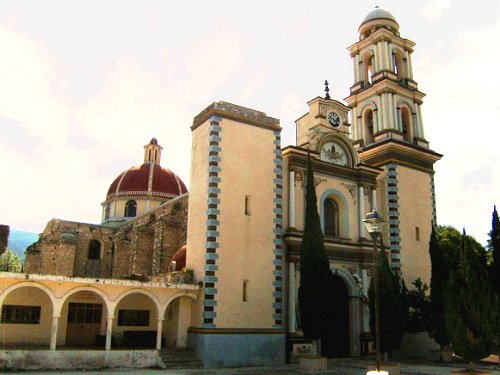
x=130 y=209
x=368 y=68
x=397 y=60
x=94 y=250
x=331 y=217
x=107 y=212
x=406 y=124
x=368 y=126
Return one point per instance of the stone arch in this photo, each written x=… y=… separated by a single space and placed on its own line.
x=353 y=155
x=100 y=293
x=399 y=63
x=368 y=65
x=369 y=121
x=348 y=279
x=170 y=299
x=343 y=211
x=145 y=292
x=23 y=284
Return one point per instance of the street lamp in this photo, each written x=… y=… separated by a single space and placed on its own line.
x=374 y=222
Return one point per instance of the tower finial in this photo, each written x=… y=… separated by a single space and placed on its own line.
x=327 y=90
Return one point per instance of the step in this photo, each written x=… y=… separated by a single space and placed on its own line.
x=175 y=358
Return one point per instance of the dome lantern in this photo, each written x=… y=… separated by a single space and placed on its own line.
x=152 y=152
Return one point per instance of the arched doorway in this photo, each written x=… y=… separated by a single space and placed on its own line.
x=335 y=343
x=83 y=318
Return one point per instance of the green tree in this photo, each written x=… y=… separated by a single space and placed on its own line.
x=444 y=249
x=10 y=262
x=419 y=304
x=494 y=248
x=471 y=307
x=392 y=306
x=315 y=290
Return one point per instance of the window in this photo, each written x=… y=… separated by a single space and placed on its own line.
x=130 y=209
x=368 y=68
x=417 y=233
x=15 y=314
x=331 y=212
x=397 y=61
x=107 y=212
x=94 y=250
x=406 y=123
x=247 y=205
x=245 y=288
x=368 y=126
x=84 y=313
x=133 y=318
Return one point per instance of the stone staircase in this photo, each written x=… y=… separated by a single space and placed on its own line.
x=175 y=358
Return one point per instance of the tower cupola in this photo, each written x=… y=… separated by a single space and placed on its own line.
x=152 y=152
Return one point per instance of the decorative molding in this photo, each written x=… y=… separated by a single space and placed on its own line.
x=352 y=188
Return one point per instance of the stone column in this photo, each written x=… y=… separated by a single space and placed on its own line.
x=159 y=329
x=374 y=199
x=291 y=200
x=53 y=334
x=362 y=229
x=109 y=332
x=292 y=319
x=364 y=307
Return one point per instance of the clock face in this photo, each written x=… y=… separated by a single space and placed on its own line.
x=334 y=153
x=333 y=119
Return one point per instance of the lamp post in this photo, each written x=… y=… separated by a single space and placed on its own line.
x=374 y=222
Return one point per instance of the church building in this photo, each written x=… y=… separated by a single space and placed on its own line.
x=217 y=269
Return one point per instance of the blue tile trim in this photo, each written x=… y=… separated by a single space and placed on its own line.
x=212 y=230
x=211 y=267
x=210 y=279
x=394 y=233
x=211 y=256
x=278 y=233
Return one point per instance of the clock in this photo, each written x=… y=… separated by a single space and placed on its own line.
x=334 y=119
x=334 y=153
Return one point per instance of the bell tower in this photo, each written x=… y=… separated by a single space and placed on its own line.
x=388 y=132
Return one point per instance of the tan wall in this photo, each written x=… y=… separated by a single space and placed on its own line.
x=171 y=324
x=415 y=202
x=246 y=241
x=29 y=333
x=197 y=211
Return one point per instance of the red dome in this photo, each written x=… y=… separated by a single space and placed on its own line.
x=146 y=179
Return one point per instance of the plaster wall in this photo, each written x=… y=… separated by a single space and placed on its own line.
x=246 y=240
x=28 y=333
x=415 y=202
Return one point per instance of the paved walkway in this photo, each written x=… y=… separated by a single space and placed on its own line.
x=335 y=367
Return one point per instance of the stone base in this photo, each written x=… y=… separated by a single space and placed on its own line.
x=391 y=368
x=313 y=363
x=76 y=359
x=237 y=348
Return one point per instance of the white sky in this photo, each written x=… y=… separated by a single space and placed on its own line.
x=85 y=84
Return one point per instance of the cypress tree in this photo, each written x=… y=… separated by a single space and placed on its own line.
x=494 y=247
x=471 y=307
x=439 y=277
x=393 y=306
x=315 y=291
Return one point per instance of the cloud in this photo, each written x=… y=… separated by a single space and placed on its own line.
x=460 y=115
x=434 y=8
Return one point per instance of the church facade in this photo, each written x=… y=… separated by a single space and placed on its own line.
x=217 y=269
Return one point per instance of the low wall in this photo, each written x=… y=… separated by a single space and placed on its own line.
x=76 y=359
x=238 y=349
